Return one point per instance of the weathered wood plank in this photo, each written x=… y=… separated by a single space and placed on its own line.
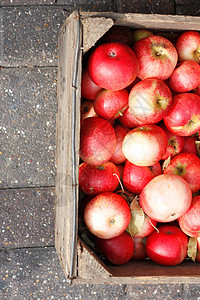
x=94 y=29
x=163 y=22
x=64 y=204
x=89 y=266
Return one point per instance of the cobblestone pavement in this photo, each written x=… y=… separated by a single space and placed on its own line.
x=29 y=265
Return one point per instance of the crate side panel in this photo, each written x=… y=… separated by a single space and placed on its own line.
x=64 y=189
x=92 y=270
x=161 y=22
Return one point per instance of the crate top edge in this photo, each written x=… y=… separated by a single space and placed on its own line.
x=162 y=17
x=138 y=17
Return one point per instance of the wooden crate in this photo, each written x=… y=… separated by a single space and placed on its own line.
x=78 y=34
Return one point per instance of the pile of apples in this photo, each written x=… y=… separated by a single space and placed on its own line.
x=140 y=123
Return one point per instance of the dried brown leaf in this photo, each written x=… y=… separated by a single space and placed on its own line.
x=137 y=217
x=166 y=163
x=192 y=248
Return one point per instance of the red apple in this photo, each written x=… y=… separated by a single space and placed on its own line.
x=94 y=180
x=185 y=77
x=97 y=141
x=175 y=143
x=128 y=119
x=139 y=34
x=166 y=197
x=157 y=57
x=135 y=178
x=183 y=117
x=89 y=89
x=120 y=34
x=111 y=104
x=189 y=145
x=150 y=100
x=188 y=46
x=107 y=215
x=186 y=165
x=113 y=66
x=167 y=247
x=118 y=250
x=139 y=248
x=118 y=156
x=87 y=109
x=190 y=221
x=145 y=145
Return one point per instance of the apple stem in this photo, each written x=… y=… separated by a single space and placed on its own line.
x=114 y=174
x=154 y=226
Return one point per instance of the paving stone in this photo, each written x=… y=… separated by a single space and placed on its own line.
x=155 y=292
x=191 y=291
x=30 y=35
x=191 y=9
x=36 y=274
x=187 y=1
x=27 y=217
x=25 y=2
x=146 y=6
x=92 y=5
x=27 y=129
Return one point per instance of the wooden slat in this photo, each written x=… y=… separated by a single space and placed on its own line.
x=161 y=22
x=64 y=188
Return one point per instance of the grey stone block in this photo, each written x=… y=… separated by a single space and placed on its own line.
x=191 y=9
x=27 y=218
x=155 y=291
x=146 y=6
x=27 y=129
x=36 y=274
x=25 y=2
x=187 y=2
x=30 y=35
x=91 y=5
x=191 y=291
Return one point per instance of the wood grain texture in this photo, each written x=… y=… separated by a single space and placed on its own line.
x=93 y=30
x=64 y=185
x=89 y=266
x=154 y=21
